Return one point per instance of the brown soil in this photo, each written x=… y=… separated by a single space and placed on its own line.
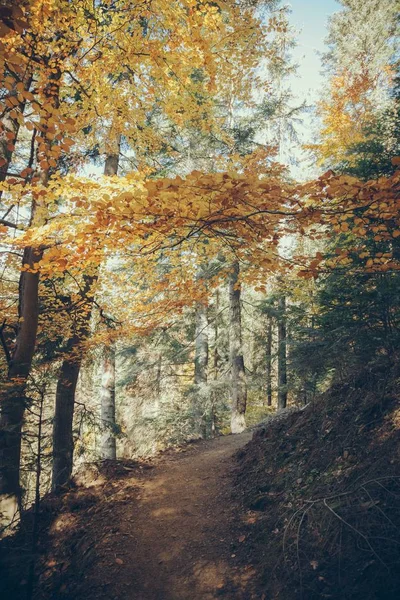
x=168 y=532
x=323 y=485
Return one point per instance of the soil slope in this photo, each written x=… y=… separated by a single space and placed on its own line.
x=323 y=485
x=168 y=532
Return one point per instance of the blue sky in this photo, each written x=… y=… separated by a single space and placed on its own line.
x=310 y=20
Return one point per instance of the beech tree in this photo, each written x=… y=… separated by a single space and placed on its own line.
x=54 y=72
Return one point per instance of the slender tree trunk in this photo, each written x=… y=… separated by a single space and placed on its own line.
x=108 y=423
x=36 y=510
x=282 y=366
x=201 y=345
x=107 y=397
x=63 y=443
x=238 y=377
x=158 y=378
x=269 y=362
x=200 y=368
x=216 y=338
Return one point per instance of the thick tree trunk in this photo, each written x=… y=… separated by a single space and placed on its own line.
x=238 y=377
x=107 y=398
x=269 y=362
x=13 y=396
x=63 y=443
x=282 y=366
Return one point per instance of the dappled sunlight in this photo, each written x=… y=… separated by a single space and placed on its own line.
x=9 y=514
x=63 y=523
x=164 y=512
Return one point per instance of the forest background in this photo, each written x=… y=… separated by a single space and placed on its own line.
x=195 y=286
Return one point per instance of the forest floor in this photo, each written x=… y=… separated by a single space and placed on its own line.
x=306 y=508
x=167 y=530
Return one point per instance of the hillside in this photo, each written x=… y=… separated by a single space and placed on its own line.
x=323 y=488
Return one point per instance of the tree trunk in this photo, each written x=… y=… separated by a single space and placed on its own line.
x=63 y=443
x=13 y=397
x=200 y=368
x=282 y=367
x=269 y=362
x=238 y=377
x=216 y=360
x=107 y=398
x=201 y=345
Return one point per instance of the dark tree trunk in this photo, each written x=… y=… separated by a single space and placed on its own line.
x=63 y=442
x=282 y=366
x=13 y=397
x=238 y=376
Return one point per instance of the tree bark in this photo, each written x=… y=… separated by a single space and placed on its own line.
x=13 y=398
x=238 y=376
x=107 y=398
x=282 y=344
x=201 y=345
x=269 y=362
x=216 y=357
x=63 y=443
x=200 y=368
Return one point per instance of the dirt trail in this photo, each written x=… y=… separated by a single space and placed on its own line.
x=177 y=540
